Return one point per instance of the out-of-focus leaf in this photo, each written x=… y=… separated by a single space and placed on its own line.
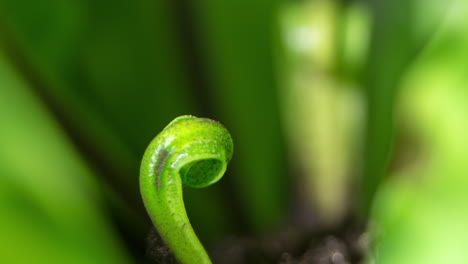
x=400 y=30
x=50 y=205
x=321 y=111
x=421 y=216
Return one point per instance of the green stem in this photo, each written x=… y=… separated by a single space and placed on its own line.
x=191 y=150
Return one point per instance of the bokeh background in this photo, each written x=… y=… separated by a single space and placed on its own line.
x=341 y=111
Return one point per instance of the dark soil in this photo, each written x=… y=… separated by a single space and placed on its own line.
x=346 y=245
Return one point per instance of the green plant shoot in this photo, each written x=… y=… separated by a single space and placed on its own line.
x=191 y=150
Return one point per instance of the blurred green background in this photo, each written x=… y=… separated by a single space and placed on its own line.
x=339 y=110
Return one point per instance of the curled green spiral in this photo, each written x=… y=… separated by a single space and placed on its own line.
x=190 y=150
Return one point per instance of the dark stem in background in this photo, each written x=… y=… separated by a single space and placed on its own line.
x=201 y=85
x=390 y=51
